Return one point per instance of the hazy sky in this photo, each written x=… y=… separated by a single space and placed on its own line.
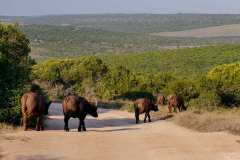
x=42 y=7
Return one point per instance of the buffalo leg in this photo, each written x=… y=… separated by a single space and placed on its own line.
x=24 y=122
x=66 y=118
x=80 y=126
x=137 y=116
x=83 y=126
x=149 y=118
x=180 y=108
x=145 y=117
x=38 y=123
x=170 y=108
x=41 y=123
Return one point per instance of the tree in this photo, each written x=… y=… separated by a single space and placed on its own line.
x=15 y=64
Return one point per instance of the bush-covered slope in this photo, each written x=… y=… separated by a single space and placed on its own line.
x=133 y=75
x=190 y=62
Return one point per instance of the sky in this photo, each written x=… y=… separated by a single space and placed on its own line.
x=46 y=7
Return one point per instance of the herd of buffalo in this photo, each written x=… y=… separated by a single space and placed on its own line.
x=35 y=105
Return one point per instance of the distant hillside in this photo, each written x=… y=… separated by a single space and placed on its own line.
x=58 y=41
x=133 y=23
x=71 y=35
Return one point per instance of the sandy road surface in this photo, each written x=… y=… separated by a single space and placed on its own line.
x=115 y=136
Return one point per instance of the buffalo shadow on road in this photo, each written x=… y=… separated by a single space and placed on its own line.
x=58 y=124
x=37 y=157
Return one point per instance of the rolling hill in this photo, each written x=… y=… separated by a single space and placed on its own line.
x=71 y=35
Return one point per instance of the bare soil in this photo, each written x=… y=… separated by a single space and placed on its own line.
x=114 y=135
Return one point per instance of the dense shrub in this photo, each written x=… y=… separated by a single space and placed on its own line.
x=207 y=100
x=92 y=77
x=225 y=80
x=75 y=73
x=184 y=88
x=15 y=69
x=76 y=69
x=116 y=82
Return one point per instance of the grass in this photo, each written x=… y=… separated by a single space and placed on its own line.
x=216 y=121
x=6 y=127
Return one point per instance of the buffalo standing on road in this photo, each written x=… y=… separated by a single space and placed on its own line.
x=144 y=105
x=33 y=104
x=77 y=107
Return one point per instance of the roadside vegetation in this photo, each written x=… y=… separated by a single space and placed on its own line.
x=206 y=77
x=15 y=65
x=213 y=84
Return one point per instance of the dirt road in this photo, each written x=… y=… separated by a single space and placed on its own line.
x=115 y=136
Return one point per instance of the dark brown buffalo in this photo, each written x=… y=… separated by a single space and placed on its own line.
x=160 y=99
x=175 y=102
x=77 y=107
x=33 y=104
x=144 y=105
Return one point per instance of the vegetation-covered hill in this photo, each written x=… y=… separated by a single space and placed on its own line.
x=57 y=36
x=188 y=62
x=58 y=41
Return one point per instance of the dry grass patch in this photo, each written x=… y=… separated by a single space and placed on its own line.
x=224 y=120
x=8 y=127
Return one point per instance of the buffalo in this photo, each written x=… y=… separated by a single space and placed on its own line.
x=34 y=105
x=160 y=99
x=175 y=102
x=77 y=107
x=144 y=105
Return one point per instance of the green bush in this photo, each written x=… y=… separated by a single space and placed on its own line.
x=184 y=88
x=116 y=82
x=76 y=69
x=11 y=115
x=225 y=83
x=207 y=100
x=91 y=76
